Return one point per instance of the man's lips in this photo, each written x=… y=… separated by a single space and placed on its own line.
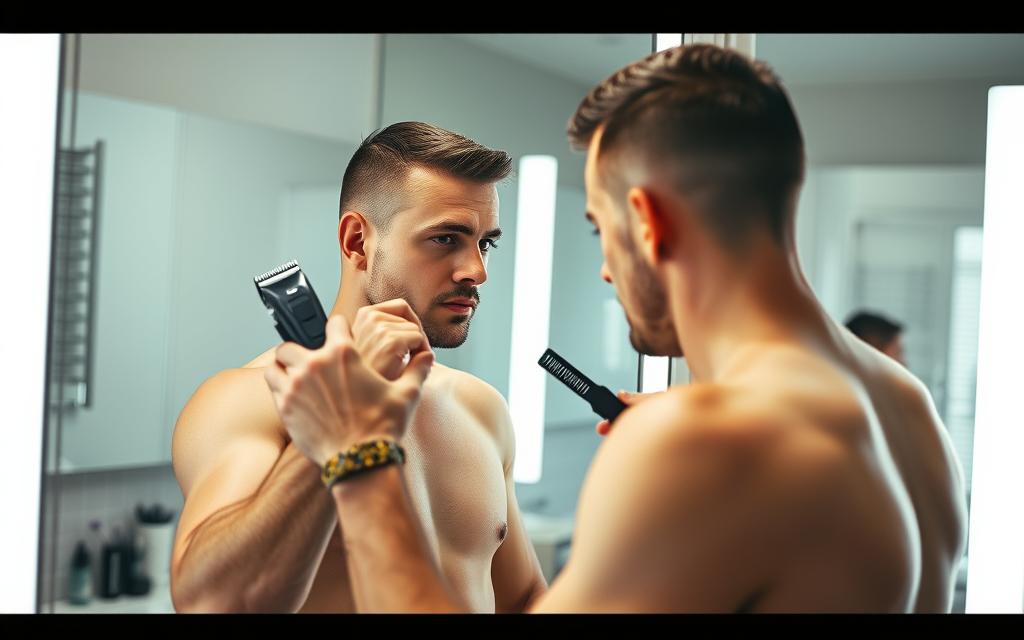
x=459 y=308
x=461 y=302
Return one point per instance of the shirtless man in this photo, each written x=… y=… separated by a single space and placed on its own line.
x=801 y=471
x=259 y=532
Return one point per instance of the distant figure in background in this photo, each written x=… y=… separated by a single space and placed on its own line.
x=880 y=332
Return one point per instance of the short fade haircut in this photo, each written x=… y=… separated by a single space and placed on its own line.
x=374 y=181
x=874 y=328
x=719 y=123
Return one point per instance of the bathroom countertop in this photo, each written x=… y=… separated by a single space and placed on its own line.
x=546 y=529
x=158 y=601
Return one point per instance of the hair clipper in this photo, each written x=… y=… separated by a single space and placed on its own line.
x=293 y=305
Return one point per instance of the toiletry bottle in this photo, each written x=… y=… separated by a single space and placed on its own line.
x=138 y=583
x=113 y=560
x=127 y=561
x=95 y=547
x=80 y=585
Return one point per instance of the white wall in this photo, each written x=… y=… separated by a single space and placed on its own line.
x=132 y=291
x=231 y=179
x=191 y=211
x=29 y=68
x=836 y=199
x=318 y=84
x=908 y=123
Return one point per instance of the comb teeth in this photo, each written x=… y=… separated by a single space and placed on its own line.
x=563 y=373
x=270 y=274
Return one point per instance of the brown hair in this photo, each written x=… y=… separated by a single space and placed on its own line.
x=721 y=124
x=375 y=177
x=874 y=328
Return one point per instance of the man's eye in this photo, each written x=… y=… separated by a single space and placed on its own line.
x=444 y=244
x=489 y=241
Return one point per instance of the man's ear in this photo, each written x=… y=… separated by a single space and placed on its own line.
x=353 y=232
x=652 y=221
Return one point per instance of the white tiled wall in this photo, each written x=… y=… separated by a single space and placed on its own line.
x=107 y=496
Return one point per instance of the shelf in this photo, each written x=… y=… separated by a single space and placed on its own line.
x=158 y=601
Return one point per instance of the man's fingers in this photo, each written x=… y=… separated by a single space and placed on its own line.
x=397 y=307
x=416 y=372
x=632 y=398
x=290 y=354
x=338 y=329
x=604 y=427
x=276 y=379
x=359 y=326
x=409 y=341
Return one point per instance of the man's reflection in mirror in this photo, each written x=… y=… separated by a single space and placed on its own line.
x=882 y=333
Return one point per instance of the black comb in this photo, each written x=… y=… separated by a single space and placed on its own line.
x=603 y=401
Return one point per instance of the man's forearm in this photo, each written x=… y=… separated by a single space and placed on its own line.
x=262 y=555
x=389 y=560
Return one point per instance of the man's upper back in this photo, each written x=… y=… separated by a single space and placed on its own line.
x=800 y=483
x=929 y=469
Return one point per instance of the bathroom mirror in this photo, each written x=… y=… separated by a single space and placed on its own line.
x=196 y=162
x=890 y=218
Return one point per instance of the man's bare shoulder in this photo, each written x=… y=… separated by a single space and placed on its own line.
x=242 y=390
x=705 y=443
x=230 y=408
x=699 y=414
x=481 y=400
x=692 y=482
x=884 y=372
x=265 y=359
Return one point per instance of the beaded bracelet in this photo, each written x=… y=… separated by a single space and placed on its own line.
x=360 y=458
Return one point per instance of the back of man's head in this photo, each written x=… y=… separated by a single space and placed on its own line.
x=874 y=328
x=374 y=181
x=718 y=128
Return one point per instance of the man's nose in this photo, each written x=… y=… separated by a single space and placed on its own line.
x=472 y=270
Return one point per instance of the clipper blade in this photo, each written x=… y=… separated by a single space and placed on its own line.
x=292 y=304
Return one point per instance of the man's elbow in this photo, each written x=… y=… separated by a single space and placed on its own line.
x=527 y=599
x=192 y=598
x=540 y=587
x=198 y=601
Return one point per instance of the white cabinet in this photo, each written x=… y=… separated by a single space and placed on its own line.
x=132 y=287
x=233 y=180
x=192 y=208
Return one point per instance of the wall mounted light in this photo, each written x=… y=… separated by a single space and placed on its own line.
x=995 y=577
x=531 y=310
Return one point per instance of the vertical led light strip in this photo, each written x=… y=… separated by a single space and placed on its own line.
x=664 y=41
x=995 y=575
x=654 y=371
x=30 y=76
x=531 y=310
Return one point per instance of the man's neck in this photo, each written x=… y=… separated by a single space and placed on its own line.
x=349 y=299
x=762 y=301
